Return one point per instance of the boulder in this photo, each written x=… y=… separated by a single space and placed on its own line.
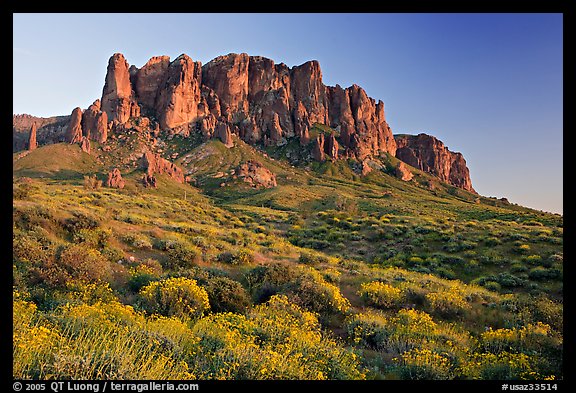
x=255 y=174
x=115 y=179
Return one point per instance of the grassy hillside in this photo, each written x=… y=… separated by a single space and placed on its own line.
x=330 y=275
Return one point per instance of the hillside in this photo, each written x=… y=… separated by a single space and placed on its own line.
x=241 y=220
x=391 y=268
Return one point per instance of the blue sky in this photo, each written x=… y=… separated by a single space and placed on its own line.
x=487 y=85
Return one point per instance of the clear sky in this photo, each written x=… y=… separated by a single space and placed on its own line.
x=487 y=85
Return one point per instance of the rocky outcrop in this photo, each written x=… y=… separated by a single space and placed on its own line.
x=371 y=135
x=255 y=174
x=318 y=149
x=149 y=79
x=85 y=145
x=228 y=77
x=429 y=154
x=223 y=132
x=118 y=99
x=402 y=172
x=155 y=164
x=178 y=98
x=74 y=131
x=32 y=144
x=95 y=123
x=115 y=179
x=149 y=181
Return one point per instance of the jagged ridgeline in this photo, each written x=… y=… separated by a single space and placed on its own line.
x=261 y=102
x=241 y=220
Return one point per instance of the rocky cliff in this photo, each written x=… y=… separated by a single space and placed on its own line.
x=429 y=154
x=250 y=96
x=260 y=102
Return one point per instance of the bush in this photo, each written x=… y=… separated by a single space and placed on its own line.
x=84 y=264
x=381 y=295
x=541 y=273
x=80 y=220
x=226 y=295
x=276 y=340
x=143 y=274
x=243 y=256
x=180 y=297
x=370 y=330
x=182 y=255
x=92 y=183
x=521 y=248
x=424 y=364
x=309 y=258
x=448 y=303
x=302 y=285
x=501 y=366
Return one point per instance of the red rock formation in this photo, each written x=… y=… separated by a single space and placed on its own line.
x=331 y=147
x=149 y=78
x=340 y=113
x=149 y=181
x=177 y=101
x=429 y=154
x=95 y=123
x=32 y=144
x=117 y=96
x=85 y=145
x=306 y=86
x=372 y=134
x=275 y=131
x=228 y=77
x=256 y=175
x=154 y=163
x=115 y=179
x=366 y=168
x=101 y=131
x=318 y=148
x=402 y=172
x=74 y=131
x=223 y=132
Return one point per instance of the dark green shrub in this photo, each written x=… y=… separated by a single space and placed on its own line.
x=182 y=255
x=309 y=258
x=226 y=295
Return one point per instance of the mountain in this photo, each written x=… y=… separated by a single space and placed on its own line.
x=241 y=220
x=263 y=103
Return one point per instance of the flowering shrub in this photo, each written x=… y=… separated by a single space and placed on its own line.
x=424 y=364
x=277 y=340
x=180 y=297
x=381 y=295
x=502 y=366
x=303 y=285
x=448 y=303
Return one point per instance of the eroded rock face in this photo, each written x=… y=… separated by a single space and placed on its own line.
x=74 y=131
x=32 y=144
x=228 y=77
x=403 y=172
x=95 y=123
x=117 y=96
x=256 y=175
x=307 y=87
x=223 y=132
x=154 y=163
x=149 y=78
x=429 y=154
x=371 y=135
x=85 y=145
x=179 y=95
x=115 y=179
